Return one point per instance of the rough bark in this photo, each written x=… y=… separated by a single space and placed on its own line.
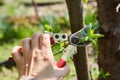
x=76 y=21
x=109 y=46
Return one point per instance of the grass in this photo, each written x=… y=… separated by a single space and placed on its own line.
x=6 y=48
x=6 y=74
x=5 y=53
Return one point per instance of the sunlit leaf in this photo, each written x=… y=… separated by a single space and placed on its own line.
x=93 y=41
x=90 y=31
x=48 y=28
x=85 y=1
x=96 y=35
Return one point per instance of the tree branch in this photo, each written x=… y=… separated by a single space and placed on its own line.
x=76 y=20
x=35 y=8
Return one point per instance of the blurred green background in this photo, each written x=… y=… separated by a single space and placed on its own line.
x=19 y=20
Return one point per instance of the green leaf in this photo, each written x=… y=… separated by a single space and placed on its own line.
x=48 y=28
x=90 y=31
x=62 y=44
x=85 y=1
x=103 y=74
x=86 y=38
x=96 y=35
x=93 y=41
x=90 y=18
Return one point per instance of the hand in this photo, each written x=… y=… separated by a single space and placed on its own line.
x=34 y=58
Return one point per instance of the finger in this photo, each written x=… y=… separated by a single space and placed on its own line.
x=35 y=40
x=16 y=54
x=49 y=33
x=51 y=37
x=45 y=46
x=45 y=41
x=61 y=72
x=26 y=44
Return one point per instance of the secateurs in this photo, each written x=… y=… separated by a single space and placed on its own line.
x=75 y=39
x=79 y=38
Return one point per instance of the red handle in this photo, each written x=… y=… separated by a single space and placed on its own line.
x=52 y=41
x=61 y=63
x=10 y=59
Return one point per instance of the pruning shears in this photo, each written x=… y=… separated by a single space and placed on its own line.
x=79 y=38
x=74 y=40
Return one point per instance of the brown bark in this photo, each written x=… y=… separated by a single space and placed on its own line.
x=76 y=21
x=109 y=46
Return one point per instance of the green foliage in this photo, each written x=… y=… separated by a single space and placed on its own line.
x=85 y=1
x=103 y=74
x=6 y=48
x=52 y=24
x=94 y=73
x=51 y=21
x=90 y=15
x=91 y=18
x=5 y=29
x=49 y=28
x=6 y=74
x=1 y=0
x=58 y=48
x=11 y=7
x=90 y=35
x=13 y=32
x=10 y=31
x=24 y=31
x=64 y=21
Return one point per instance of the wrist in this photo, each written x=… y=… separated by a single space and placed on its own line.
x=27 y=78
x=31 y=78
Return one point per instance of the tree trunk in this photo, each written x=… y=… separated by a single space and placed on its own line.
x=109 y=46
x=76 y=21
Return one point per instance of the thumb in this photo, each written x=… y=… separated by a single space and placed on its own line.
x=16 y=53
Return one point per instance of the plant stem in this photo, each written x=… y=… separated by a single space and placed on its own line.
x=35 y=8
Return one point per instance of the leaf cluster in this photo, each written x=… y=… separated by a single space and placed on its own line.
x=90 y=35
x=103 y=74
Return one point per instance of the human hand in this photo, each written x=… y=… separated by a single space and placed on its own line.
x=34 y=59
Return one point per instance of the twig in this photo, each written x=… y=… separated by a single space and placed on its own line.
x=35 y=8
